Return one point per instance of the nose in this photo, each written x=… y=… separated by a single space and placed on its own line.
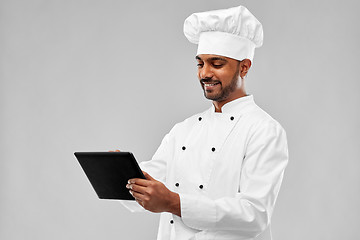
x=205 y=72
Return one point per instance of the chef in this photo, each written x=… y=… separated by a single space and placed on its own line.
x=217 y=174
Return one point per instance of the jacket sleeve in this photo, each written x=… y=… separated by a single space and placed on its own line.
x=156 y=167
x=249 y=212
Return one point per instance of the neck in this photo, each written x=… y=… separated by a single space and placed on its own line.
x=219 y=104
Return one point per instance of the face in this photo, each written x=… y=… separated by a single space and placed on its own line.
x=219 y=77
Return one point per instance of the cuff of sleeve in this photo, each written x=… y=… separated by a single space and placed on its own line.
x=197 y=211
x=132 y=206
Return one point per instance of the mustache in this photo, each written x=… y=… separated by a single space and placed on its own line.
x=209 y=81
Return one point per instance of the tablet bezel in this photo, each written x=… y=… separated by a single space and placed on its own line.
x=108 y=172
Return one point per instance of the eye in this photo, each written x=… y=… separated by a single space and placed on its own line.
x=217 y=64
x=200 y=65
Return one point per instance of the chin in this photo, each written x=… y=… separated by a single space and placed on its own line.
x=212 y=97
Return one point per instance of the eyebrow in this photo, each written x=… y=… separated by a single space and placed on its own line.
x=212 y=59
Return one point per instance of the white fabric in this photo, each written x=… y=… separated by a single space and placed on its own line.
x=232 y=32
x=213 y=43
x=240 y=178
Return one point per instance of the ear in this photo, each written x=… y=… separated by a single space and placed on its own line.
x=244 y=67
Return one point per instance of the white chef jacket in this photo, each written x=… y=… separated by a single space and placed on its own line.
x=227 y=169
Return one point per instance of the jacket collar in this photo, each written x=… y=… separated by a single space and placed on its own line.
x=236 y=106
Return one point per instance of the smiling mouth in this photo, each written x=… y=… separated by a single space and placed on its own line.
x=209 y=87
x=210 y=84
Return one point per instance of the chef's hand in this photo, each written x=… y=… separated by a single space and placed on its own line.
x=153 y=195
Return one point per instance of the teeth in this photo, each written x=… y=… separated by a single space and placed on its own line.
x=209 y=84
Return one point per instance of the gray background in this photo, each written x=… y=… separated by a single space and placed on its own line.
x=100 y=75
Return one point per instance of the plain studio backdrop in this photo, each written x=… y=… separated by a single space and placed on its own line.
x=101 y=75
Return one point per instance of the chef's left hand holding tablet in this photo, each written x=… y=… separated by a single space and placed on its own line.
x=117 y=150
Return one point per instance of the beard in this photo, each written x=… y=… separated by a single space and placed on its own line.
x=224 y=91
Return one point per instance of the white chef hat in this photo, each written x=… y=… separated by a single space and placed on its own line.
x=233 y=32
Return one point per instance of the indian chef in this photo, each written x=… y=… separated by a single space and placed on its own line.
x=217 y=174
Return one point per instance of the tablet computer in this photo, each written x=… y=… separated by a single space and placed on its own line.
x=109 y=172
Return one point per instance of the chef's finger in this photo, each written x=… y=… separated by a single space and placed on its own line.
x=139 y=181
x=148 y=177
x=136 y=188
x=141 y=203
x=137 y=195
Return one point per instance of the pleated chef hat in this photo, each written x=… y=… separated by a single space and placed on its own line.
x=233 y=32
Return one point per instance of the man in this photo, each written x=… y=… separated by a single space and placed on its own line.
x=217 y=174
